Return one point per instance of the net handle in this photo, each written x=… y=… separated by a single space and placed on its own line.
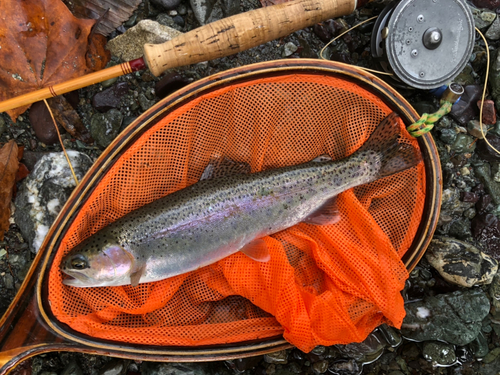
x=243 y=31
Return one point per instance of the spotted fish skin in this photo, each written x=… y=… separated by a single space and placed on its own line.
x=214 y=218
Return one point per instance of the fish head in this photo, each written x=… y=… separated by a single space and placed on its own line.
x=98 y=261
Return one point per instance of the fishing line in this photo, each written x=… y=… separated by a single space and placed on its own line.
x=60 y=140
x=345 y=32
x=484 y=91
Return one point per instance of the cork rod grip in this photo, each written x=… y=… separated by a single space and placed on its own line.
x=241 y=32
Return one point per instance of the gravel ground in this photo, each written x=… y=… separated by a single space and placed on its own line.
x=462 y=317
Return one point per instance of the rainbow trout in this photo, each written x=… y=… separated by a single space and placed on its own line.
x=221 y=215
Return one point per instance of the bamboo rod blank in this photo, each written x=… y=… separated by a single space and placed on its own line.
x=67 y=86
x=241 y=32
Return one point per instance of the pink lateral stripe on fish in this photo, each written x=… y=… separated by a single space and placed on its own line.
x=221 y=215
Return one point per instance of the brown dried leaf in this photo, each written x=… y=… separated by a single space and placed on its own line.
x=119 y=12
x=42 y=44
x=8 y=169
x=97 y=55
x=67 y=117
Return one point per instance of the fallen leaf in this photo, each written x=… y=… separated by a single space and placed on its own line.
x=42 y=44
x=8 y=169
x=66 y=116
x=119 y=12
x=97 y=55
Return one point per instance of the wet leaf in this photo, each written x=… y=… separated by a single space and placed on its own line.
x=119 y=12
x=8 y=169
x=68 y=118
x=42 y=44
x=97 y=55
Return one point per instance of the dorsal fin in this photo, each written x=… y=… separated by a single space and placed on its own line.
x=222 y=166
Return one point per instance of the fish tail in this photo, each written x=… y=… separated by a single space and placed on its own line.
x=386 y=141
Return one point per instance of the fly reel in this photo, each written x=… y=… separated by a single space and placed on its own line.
x=424 y=43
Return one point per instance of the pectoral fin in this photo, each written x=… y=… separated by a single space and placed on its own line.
x=136 y=276
x=257 y=250
x=328 y=213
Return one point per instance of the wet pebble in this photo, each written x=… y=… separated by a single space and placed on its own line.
x=104 y=127
x=169 y=83
x=460 y=263
x=452 y=317
x=114 y=367
x=483 y=18
x=463 y=143
x=489 y=112
x=466 y=109
x=438 y=353
x=345 y=367
x=479 y=347
x=493 y=32
x=367 y=350
x=8 y=281
x=72 y=368
x=110 y=98
x=43 y=193
x=474 y=129
x=289 y=49
x=144 y=102
x=320 y=367
x=202 y=9
x=483 y=171
x=280 y=357
x=167 y=4
x=460 y=228
x=448 y=136
x=485 y=151
x=486 y=230
x=166 y=20
x=42 y=123
x=129 y=46
x=152 y=368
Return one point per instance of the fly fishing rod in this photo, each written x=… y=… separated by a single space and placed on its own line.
x=409 y=40
x=218 y=39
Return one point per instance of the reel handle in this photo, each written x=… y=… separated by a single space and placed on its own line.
x=242 y=31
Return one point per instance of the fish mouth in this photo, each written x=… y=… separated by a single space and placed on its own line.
x=78 y=280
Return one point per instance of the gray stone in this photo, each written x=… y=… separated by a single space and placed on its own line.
x=474 y=129
x=460 y=263
x=493 y=32
x=320 y=367
x=129 y=46
x=8 y=281
x=345 y=367
x=207 y=11
x=483 y=18
x=479 y=346
x=494 y=78
x=152 y=368
x=453 y=317
x=116 y=366
x=166 y=20
x=72 y=368
x=491 y=363
x=280 y=357
x=43 y=193
x=494 y=293
x=463 y=143
x=367 y=350
x=289 y=49
x=167 y=4
x=439 y=353
x=104 y=127
x=460 y=228
x=483 y=171
x=448 y=136
x=144 y=102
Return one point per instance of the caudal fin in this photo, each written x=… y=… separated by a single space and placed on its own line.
x=396 y=156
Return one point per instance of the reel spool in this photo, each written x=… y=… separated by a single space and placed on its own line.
x=414 y=40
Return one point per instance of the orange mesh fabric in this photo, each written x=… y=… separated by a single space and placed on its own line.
x=323 y=285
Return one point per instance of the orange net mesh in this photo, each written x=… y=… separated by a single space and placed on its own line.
x=323 y=285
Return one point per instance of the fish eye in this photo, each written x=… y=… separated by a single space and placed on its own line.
x=79 y=263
